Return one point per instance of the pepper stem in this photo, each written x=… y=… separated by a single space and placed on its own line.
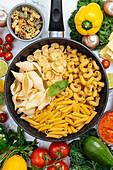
x=87 y=25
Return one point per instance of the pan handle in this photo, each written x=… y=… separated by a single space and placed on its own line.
x=56 y=25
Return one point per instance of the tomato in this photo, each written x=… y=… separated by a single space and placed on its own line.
x=3 y=117
x=9 y=38
x=105 y=63
x=1 y=52
x=59 y=150
x=1 y=41
x=58 y=164
x=8 y=56
x=8 y=47
x=37 y=157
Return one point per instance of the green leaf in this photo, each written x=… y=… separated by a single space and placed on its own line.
x=2 y=99
x=57 y=87
x=35 y=168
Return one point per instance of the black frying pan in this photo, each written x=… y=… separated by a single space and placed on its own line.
x=56 y=24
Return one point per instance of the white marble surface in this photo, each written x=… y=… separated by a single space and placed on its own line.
x=44 y=5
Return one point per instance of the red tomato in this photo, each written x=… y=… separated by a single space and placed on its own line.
x=8 y=47
x=1 y=41
x=8 y=56
x=9 y=38
x=1 y=52
x=3 y=117
x=59 y=150
x=58 y=164
x=105 y=63
x=37 y=157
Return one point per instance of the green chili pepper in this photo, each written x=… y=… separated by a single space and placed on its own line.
x=3 y=140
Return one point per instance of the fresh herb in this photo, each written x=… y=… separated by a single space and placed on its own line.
x=78 y=159
x=17 y=145
x=2 y=99
x=57 y=87
x=103 y=33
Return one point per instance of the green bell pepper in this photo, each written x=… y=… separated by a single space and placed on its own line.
x=3 y=140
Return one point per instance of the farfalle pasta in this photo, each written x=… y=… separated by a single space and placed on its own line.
x=72 y=108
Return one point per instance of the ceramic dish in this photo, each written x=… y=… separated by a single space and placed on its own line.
x=18 y=7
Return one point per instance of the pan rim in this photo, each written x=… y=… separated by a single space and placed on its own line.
x=64 y=138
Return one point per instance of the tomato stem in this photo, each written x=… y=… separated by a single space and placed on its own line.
x=47 y=166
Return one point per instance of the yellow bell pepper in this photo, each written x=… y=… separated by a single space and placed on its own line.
x=88 y=20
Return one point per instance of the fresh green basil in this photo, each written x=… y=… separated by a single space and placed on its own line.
x=57 y=87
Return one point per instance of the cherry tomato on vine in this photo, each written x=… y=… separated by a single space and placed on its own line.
x=8 y=47
x=9 y=38
x=1 y=52
x=39 y=156
x=3 y=117
x=1 y=41
x=59 y=150
x=106 y=63
x=8 y=56
x=58 y=164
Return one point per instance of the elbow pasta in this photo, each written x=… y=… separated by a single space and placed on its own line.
x=71 y=109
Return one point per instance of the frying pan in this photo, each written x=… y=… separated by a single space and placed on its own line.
x=55 y=27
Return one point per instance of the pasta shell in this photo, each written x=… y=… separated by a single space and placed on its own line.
x=48 y=76
x=22 y=104
x=18 y=76
x=37 y=81
x=37 y=54
x=37 y=67
x=26 y=66
x=35 y=100
x=45 y=50
x=15 y=87
x=27 y=112
x=45 y=101
x=58 y=68
x=15 y=101
x=30 y=58
x=21 y=95
x=27 y=84
x=43 y=62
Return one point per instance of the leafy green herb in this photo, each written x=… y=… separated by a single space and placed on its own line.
x=17 y=145
x=57 y=87
x=78 y=159
x=103 y=33
x=2 y=99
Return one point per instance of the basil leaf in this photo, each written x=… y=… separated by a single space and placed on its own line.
x=57 y=87
x=2 y=99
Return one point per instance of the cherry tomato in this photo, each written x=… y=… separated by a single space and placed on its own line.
x=58 y=164
x=9 y=38
x=105 y=63
x=59 y=150
x=1 y=52
x=37 y=157
x=3 y=117
x=8 y=56
x=8 y=47
x=1 y=41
